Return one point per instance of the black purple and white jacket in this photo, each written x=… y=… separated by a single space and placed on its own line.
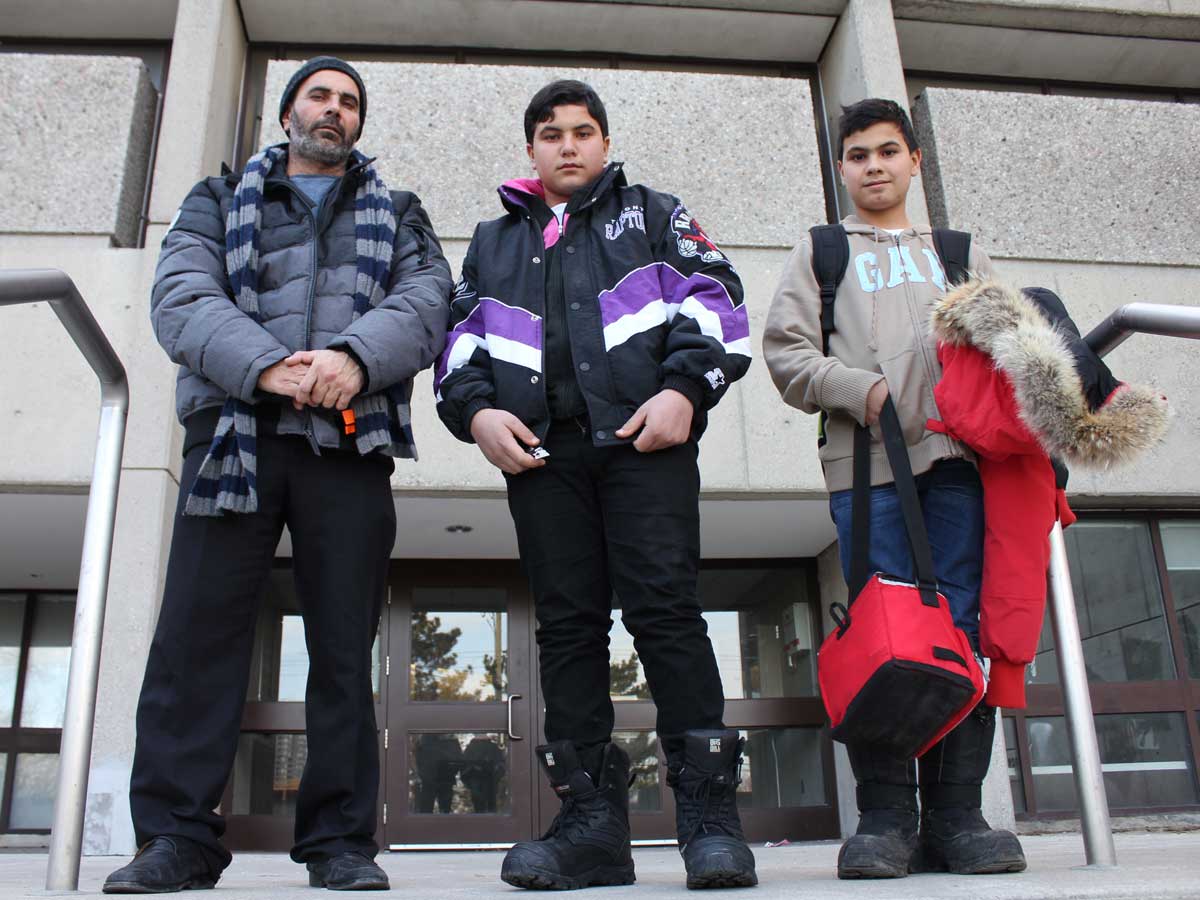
x=651 y=303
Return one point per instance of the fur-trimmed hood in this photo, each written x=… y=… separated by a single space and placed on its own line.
x=1006 y=324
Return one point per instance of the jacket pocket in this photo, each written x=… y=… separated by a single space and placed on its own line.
x=905 y=378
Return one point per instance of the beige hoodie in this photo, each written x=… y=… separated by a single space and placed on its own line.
x=881 y=320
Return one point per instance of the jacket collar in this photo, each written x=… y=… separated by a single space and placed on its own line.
x=522 y=194
x=854 y=225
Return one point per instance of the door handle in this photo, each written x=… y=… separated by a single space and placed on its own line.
x=511 y=698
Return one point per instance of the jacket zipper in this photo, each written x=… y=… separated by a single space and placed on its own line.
x=309 y=434
x=545 y=272
x=915 y=321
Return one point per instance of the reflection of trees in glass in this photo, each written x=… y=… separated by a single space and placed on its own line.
x=623 y=679
x=496 y=672
x=432 y=655
x=642 y=747
x=438 y=673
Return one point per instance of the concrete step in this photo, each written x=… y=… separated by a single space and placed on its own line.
x=1161 y=866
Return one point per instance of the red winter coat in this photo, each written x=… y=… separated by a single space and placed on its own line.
x=1020 y=504
x=1011 y=389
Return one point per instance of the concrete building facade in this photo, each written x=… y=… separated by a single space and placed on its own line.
x=1054 y=130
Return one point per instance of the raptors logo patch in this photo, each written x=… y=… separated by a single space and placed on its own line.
x=691 y=239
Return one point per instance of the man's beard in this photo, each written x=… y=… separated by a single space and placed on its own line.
x=317 y=148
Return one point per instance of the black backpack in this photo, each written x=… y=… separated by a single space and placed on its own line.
x=831 y=258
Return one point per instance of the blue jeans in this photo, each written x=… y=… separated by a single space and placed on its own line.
x=952 y=503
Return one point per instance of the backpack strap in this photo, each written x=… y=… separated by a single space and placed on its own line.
x=830 y=257
x=954 y=250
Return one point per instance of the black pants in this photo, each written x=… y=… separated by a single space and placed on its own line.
x=338 y=508
x=597 y=520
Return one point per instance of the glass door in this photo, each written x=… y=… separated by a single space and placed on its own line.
x=461 y=719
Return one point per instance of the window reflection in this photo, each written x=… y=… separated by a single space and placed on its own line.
x=782 y=768
x=45 y=694
x=12 y=620
x=461 y=655
x=266 y=773
x=463 y=773
x=645 y=793
x=1119 y=604
x=761 y=625
x=1181 y=548
x=33 y=790
x=1145 y=759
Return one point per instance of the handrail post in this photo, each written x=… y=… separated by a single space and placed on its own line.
x=1099 y=850
x=1098 y=847
x=54 y=287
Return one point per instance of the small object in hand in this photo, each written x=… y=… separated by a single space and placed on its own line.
x=538 y=452
x=348 y=422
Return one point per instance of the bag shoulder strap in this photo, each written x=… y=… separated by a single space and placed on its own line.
x=830 y=257
x=954 y=250
x=910 y=506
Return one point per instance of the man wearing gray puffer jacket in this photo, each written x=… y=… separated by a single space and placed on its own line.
x=299 y=297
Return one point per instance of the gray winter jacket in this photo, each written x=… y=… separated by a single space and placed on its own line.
x=307 y=270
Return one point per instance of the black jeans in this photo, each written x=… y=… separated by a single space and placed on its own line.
x=338 y=508
x=597 y=520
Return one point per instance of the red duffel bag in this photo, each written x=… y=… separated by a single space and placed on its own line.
x=896 y=672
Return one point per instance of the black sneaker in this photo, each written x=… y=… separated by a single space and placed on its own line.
x=705 y=780
x=163 y=865
x=349 y=871
x=588 y=841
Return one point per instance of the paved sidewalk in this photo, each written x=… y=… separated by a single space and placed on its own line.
x=1152 y=867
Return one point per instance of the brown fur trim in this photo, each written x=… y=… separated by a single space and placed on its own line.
x=1007 y=326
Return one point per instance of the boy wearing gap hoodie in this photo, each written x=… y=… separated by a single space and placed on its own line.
x=882 y=346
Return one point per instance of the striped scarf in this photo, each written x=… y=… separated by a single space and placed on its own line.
x=228 y=476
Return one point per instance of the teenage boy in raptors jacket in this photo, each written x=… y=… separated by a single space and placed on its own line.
x=594 y=327
x=881 y=346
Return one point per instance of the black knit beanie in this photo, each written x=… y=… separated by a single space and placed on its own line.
x=316 y=64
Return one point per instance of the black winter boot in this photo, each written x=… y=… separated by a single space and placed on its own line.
x=705 y=776
x=588 y=841
x=954 y=835
x=885 y=842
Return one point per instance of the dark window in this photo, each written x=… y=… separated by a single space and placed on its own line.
x=35 y=655
x=1118 y=599
x=1136 y=581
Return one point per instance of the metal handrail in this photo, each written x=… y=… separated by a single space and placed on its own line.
x=1150 y=318
x=51 y=286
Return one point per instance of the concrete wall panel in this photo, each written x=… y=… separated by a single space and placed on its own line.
x=783 y=31
x=200 y=105
x=50 y=399
x=741 y=151
x=1067 y=178
x=1024 y=52
x=77 y=163
x=122 y=20
x=1175 y=19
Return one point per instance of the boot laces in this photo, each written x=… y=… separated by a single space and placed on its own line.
x=711 y=802
x=579 y=815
